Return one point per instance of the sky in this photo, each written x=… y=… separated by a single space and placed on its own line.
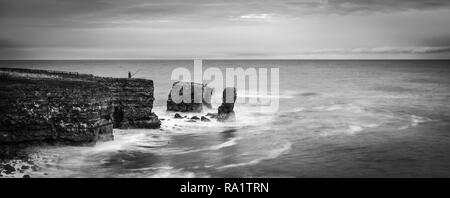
x=227 y=29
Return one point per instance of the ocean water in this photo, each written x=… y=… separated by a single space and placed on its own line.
x=335 y=119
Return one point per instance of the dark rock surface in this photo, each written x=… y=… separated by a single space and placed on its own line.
x=49 y=106
x=212 y=115
x=200 y=95
x=195 y=118
x=205 y=119
x=8 y=169
x=132 y=100
x=177 y=116
x=225 y=111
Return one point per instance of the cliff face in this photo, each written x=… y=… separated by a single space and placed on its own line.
x=46 y=106
x=132 y=101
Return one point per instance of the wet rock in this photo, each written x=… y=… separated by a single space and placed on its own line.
x=177 y=116
x=35 y=168
x=26 y=176
x=205 y=119
x=195 y=118
x=212 y=115
x=224 y=117
x=149 y=121
x=189 y=97
x=225 y=111
x=8 y=169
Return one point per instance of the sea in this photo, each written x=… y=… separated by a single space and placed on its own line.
x=335 y=118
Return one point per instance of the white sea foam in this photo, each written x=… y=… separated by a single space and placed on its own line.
x=354 y=129
x=172 y=151
x=173 y=173
x=295 y=110
x=416 y=120
x=160 y=172
x=270 y=155
x=347 y=107
x=229 y=143
x=286 y=94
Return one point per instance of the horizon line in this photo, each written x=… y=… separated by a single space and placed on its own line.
x=263 y=59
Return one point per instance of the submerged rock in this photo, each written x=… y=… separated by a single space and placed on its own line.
x=177 y=116
x=212 y=115
x=8 y=169
x=225 y=111
x=205 y=119
x=195 y=118
x=189 y=97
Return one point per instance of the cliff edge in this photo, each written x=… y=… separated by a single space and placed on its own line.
x=66 y=107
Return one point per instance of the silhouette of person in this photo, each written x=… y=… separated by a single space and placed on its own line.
x=129 y=74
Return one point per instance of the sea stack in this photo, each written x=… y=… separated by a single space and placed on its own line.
x=198 y=95
x=225 y=111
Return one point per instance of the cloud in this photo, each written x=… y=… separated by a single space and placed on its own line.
x=232 y=26
x=256 y=16
x=98 y=12
x=387 y=5
x=436 y=41
x=380 y=50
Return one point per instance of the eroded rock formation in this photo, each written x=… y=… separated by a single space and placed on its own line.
x=225 y=111
x=200 y=95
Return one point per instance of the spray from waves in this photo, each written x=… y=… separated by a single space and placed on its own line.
x=270 y=155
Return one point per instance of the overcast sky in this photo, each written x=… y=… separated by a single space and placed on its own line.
x=186 y=29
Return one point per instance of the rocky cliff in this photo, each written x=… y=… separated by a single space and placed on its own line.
x=50 y=106
x=132 y=100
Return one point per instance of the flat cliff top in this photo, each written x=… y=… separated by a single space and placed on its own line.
x=59 y=75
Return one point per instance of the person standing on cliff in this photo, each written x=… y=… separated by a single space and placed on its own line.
x=129 y=74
